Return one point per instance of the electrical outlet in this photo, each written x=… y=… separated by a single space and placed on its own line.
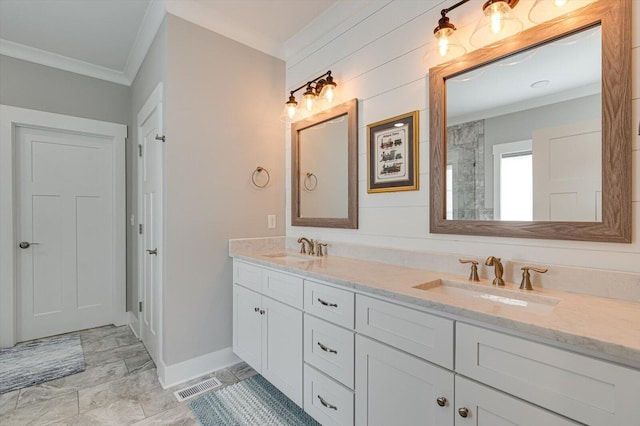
x=271 y=221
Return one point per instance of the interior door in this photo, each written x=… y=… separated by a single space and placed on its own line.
x=567 y=172
x=151 y=222
x=65 y=226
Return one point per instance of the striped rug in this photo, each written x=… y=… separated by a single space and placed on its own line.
x=253 y=401
x=39 y=361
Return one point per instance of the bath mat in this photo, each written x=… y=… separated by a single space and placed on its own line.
x=39 y=361
x=253 y=401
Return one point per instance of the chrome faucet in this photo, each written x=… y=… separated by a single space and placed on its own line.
x=495 y=262
x=309 y=243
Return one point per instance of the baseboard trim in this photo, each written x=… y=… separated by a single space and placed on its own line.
x=171 y=375
x=133 y=324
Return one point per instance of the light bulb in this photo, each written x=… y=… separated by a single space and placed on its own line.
x=329 y=93
x=309 y=102
x=443 y=46
x=496 y=20
x=559 y=3
x=291 y=111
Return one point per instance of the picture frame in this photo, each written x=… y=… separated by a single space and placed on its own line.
x=392 y=154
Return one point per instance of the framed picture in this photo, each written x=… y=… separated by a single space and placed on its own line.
x=392 y=154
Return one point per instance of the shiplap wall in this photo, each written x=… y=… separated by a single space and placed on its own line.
x=376 y=55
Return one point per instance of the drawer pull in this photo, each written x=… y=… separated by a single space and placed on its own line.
x=256 y=309
x=442 y=401
x=331 y=305
x=464 y=411
x=327 y=349
x=326 y=404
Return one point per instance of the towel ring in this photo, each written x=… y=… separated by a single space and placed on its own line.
x=259 y=170
x=308 y=179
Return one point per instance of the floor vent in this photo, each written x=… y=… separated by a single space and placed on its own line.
x=197 y=389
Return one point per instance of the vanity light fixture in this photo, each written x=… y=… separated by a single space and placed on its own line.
x=321 y=87
x=498 y=22
x=448 y=45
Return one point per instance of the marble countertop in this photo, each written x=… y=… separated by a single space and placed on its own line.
x=596 y=325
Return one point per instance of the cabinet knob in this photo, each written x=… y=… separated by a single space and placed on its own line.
x=464 y=411
x=262 y=311
x=442 y=401
x=256 y=309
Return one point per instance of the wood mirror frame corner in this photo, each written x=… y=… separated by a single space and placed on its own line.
x=615 y=18
x=350 y=108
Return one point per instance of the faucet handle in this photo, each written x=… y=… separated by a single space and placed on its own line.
x=319 y=246
x=301 y=241
x=525 y=284
x=473 y=276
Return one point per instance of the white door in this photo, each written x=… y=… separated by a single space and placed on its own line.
x=567 y=172
x=395 y=388
x=150 y=250
x=65 y=227
x=478 y=405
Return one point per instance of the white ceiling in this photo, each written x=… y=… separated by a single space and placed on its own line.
x=108 y=38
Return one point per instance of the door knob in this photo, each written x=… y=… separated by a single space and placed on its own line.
x=26 y=245
x=154 y=251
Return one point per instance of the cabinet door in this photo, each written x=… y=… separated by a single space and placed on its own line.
x=282 y=348
x=247 y=326
x=488 y=407
x=395 y=388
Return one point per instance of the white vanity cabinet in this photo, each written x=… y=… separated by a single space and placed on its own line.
x=395 y=383
x=588 y=390
x=479 y=405
x=375 y=361
x=395 y=388
x=267 y=333
x=329 y=348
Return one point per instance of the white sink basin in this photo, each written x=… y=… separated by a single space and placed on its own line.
x=289 y=257
x=492 y=295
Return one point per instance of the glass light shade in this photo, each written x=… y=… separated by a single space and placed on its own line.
x=545 y=10
x=308 y=99
x=447 y=48
x=498 y=23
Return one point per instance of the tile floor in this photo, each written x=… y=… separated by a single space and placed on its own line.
x=118 y=387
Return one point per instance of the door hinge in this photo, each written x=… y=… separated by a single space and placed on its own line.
x=160 y=138
x=140 y=306
x=139 y=150
x=140 y=228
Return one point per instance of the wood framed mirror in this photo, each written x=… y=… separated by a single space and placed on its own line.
x=324 y=168
x=479 y=210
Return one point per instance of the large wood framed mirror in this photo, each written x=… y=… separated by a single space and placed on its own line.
x=324 y=168
x=531 y=137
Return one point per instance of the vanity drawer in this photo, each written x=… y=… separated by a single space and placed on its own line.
x=325 y=400
x=329 y=348
x=424 y=335
x=588 y=390
x=282 y=287
x=330 y=303
x=247 y=275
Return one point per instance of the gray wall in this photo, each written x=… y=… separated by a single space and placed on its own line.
x=222 y=109
x=34 y=86
x=152 y=71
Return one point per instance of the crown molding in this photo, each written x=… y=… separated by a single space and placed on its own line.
x=42 y=57
x=151 y=22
